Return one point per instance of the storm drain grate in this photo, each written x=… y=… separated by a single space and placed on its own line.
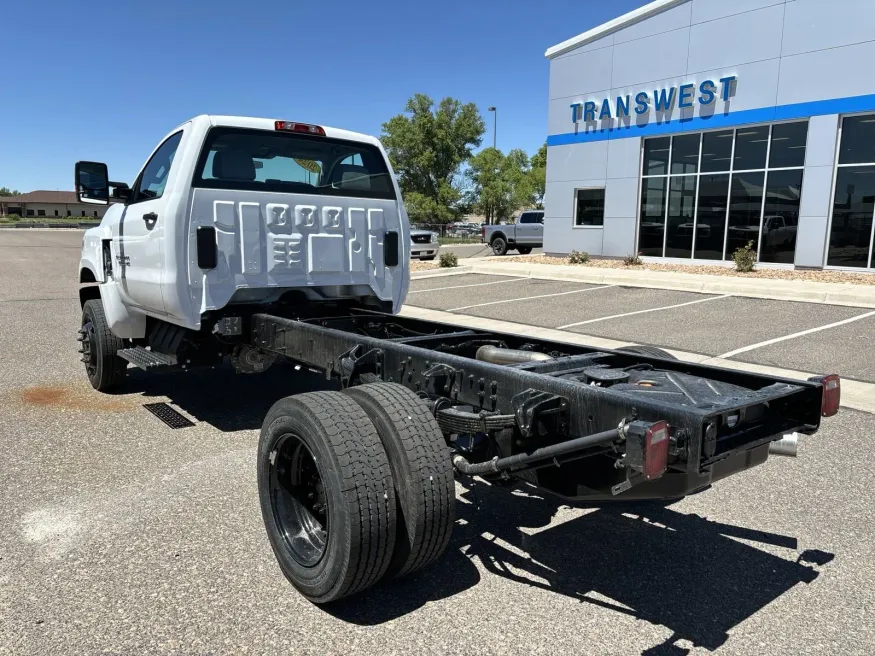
x=168 y=415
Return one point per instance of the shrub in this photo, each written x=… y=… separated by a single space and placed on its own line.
x=745 y=258
x=633 y=259
x=449 y=260
x=577 y=257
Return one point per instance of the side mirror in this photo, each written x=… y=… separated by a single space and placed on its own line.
x=92 y=183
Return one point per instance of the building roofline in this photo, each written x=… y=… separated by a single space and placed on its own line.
x=635 y=16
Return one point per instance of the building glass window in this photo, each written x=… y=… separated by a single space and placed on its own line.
x=781 y=216
x=652 y=228
x=681 y=214
x=69 y=213
x=589 y=207
x=30 y=212
x=716 y=150
x=722 y=190
x=40 y=212
x=656 y=153
x=851 y=230
x=711 y=223
x=685 y=153
x=56 y=212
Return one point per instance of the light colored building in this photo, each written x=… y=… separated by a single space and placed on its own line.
x=49 y=204
x=687 y=128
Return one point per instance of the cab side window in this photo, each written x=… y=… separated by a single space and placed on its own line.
x=153 y=180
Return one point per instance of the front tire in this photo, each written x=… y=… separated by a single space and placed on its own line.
x=524 y=250
x=421 y=468
x=327 y=495
x=499 y=246
x=105 y=370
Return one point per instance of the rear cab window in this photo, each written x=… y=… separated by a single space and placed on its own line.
x=260 y=160
x=532 y=217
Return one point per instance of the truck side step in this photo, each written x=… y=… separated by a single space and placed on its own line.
x=148 y=360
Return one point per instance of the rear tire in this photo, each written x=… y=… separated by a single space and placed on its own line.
x=100 y=347
x=652 y=351
x=499 y=246
x=524 y=250
x=326 y=494
x=421 y=468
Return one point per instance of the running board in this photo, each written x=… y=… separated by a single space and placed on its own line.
x=148 y=360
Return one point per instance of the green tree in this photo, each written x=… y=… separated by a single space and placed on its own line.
x=6 y=191
x=500 y=184
x=427 y=146
x=539 y=176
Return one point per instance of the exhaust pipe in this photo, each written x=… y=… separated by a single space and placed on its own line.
x=786 y=446
x=497 y=355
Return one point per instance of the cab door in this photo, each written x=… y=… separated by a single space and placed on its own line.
x=530 y=229
x=141 y=230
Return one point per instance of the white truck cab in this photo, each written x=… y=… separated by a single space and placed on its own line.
x=232 y=210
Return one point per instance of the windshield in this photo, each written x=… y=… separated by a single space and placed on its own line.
x=258 y=160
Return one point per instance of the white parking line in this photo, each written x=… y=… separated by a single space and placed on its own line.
x=477 y=284
x=629 y=314
x=528 y=298
x=801 y=333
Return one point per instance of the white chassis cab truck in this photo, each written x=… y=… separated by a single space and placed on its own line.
x=249 y=239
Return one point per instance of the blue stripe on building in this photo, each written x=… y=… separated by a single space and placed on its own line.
x=696 y=123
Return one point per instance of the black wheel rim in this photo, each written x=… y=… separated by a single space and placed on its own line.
x=298 y=500
x=498 y=246
x=89 y=347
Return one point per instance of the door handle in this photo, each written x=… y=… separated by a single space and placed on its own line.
x=150 y=217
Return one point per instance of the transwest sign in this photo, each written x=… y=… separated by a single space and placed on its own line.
x=662 y=100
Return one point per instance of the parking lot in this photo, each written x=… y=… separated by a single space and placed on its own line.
x=121 y=535
x=748 y=329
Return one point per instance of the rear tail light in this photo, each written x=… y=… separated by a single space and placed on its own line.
x=306 y=128
x=647 y=448
x=483 y=233
x=832 y=394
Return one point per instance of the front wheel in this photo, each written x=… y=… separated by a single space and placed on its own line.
x=524 y=250
x=327 y=495
x=499 y=246
x=105 y=370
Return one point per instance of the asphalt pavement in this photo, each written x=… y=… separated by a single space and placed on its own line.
x=121 y=535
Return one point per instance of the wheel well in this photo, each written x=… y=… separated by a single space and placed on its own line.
x=91 y=292
x=496 y=236
x=86 y=275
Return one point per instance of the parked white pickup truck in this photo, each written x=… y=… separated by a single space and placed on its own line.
x=254 y=240
x=524 y=234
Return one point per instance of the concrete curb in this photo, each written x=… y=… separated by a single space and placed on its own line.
x=783 y=290
x=857 y=395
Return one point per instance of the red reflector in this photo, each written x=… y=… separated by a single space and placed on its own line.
x=306 y=128
x=656 y=440
x=832 y=395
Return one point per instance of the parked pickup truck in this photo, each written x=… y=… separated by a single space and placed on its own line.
x=526 y=233
x=250 y=240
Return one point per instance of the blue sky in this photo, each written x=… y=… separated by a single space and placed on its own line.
x=106 y=80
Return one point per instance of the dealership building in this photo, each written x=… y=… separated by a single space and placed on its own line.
x=688 y=128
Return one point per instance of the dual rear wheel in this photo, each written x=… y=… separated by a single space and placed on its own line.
x=354 y=486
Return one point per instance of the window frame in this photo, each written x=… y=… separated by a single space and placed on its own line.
x=730 y=170
x=135 y=189
x=835 y=175
x=600 y=226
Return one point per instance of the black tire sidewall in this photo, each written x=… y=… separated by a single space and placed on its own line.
x=110 y=369
x=499 y=246
x=319 y=580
